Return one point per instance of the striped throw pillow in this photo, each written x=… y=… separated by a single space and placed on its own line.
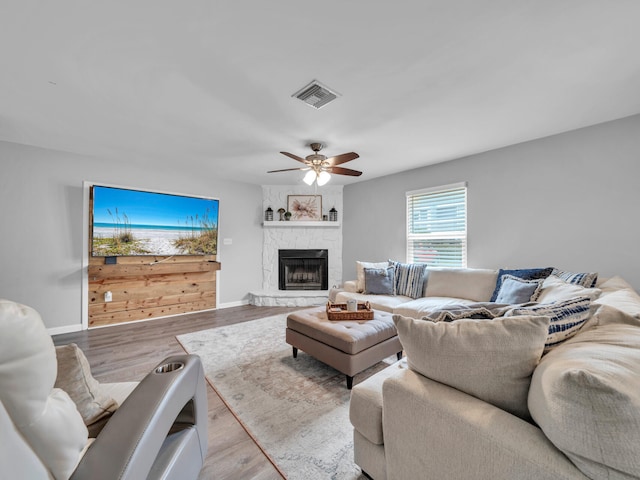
x=585 y=279
x=566 y=318
x=409 y=278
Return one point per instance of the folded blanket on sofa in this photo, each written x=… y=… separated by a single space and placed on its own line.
x=481 y=310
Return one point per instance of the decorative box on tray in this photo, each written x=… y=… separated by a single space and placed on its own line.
x=338 y=311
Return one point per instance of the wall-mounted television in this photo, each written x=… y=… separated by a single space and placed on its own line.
x=128 y=222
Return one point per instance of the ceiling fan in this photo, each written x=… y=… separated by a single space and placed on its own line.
x=320 y=167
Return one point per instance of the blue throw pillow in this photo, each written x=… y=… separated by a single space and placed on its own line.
x=409 y=278
x=379 y=281
x=516 y=290
x=524 y=273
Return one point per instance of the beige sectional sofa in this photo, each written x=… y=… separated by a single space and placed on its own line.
x=444 y=287
x=477 y=399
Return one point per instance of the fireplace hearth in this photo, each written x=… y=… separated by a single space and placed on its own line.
x=303 y=269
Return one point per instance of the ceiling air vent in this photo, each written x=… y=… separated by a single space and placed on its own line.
x=316 y=94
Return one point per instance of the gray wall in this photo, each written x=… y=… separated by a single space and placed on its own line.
x=570 y=201
x=41 y=206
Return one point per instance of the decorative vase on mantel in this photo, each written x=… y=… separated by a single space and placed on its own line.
x=287 y=216
x=281 y=213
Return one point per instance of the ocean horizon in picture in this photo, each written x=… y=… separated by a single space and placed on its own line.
x=135 y=222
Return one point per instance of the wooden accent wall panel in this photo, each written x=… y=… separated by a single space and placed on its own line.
x=178 y=285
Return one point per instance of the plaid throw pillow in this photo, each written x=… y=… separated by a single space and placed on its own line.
x=585 y=279
x=409 y=278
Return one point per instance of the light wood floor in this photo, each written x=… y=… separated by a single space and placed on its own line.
x=128 y=352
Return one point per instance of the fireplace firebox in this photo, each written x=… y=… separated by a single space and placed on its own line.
x=303 y=269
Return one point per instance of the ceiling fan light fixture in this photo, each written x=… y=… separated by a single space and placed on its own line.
x=310 y=177
x=323 y=178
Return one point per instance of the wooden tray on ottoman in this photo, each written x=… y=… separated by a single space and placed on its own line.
x=364 y=312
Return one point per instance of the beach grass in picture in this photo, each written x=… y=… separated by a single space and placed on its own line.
x=135 y=222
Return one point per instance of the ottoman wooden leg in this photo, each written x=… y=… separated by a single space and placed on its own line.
x=295 y=352
x=399 y=355
x=349 y=382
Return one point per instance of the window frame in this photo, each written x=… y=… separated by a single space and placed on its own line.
x=444 y=235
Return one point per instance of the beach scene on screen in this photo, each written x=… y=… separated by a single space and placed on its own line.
x=135 y=222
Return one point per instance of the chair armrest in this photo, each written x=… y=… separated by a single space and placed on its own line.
x=128 y=445
x=434 y=431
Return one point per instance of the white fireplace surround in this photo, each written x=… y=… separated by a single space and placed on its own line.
x=326 y=235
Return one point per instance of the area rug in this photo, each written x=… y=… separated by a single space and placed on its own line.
x=297 y=410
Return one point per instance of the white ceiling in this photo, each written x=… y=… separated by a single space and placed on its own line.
x=206 y=85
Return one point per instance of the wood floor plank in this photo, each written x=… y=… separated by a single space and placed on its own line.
x=129 y=351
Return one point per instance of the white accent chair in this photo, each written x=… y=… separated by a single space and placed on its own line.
x=159 y=430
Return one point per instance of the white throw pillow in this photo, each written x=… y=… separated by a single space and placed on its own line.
x=585 y=396
x=555 y=289
x=490 y=359
x=360 y=266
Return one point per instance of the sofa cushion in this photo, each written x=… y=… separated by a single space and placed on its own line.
x=585 y=395
x=555 y=289
x=617 y=293
x=587 y=280
x=380 y=281
x=119 y=392
x=525 y=273
x=386 y=303
x=471 y=283
x=566 y=318
x=490 y=359
x=517 y=290
x=74 y=377
x=360 y=266
x=409 y=278
x=614 y=283
x=365 y=406
x=606 y=315
x=421 y=307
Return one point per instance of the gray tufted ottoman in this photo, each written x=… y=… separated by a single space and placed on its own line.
x=349 y=346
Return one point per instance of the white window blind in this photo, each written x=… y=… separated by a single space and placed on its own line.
x=437 y=226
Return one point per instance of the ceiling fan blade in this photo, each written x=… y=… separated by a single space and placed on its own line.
x=287 y=170
x=344 y=171
x=344 y=158
x=295 y=157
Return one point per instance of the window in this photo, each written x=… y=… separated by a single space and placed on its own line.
x=437 y=226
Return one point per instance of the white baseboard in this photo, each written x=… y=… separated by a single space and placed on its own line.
x=234 y=304
x=65 y=329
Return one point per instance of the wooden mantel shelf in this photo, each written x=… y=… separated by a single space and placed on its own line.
x=294 y=224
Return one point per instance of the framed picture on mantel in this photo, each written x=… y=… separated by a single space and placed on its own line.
x=305 y=207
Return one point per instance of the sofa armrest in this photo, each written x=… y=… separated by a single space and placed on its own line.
x=350 y=286
x=129 y=444
x=434 y=431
